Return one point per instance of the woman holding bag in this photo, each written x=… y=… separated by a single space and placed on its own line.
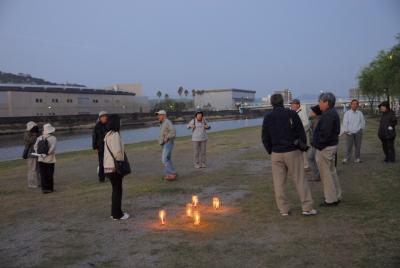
x=114 y=155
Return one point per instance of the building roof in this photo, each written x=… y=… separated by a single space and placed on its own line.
x=60 y=89
x=229 y=89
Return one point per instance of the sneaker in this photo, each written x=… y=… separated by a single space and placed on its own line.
x=358 y=160
x=124 y=217
x=310 y=213
x=170 y=177
x=284 y=214
x=203 y=165
x=326 y=204
x=196 y=166
x=344 y=161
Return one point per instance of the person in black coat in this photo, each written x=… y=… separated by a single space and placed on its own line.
x=284 y=137
x=99 y=132
x=387 y=131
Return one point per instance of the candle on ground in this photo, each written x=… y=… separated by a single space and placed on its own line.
x=196 y=216
x=162 y=215
x=195 y=200
x=215 y=202
x=189 y=210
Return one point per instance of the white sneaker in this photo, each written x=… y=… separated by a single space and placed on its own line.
x=125 y=217
x=196 y=166
x=344 y=161
x=310 y=213
x=284 y=214
x=358 y=160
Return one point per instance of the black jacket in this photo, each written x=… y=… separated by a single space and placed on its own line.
x=388 y=120
x=99 y=132
x=280 y=129
x=326 y=133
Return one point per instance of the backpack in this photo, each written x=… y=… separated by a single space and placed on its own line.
x=43 y=146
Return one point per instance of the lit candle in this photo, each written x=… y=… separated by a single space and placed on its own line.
x=195 y=200
x=196 y=216
x=189 y=210
x=162 y=215
x=215 y=202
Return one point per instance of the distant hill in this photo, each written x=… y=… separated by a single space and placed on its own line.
x=20 y=78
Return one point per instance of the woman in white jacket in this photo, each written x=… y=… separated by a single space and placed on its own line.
x=114 y=148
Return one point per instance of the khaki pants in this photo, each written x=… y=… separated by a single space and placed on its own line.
x=290 y=163
x=353 y=140
x=199 y=148
x=33 y=172
x=326 y=164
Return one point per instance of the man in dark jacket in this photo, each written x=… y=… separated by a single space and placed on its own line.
x=282 y=132
x=387 y=131
x=325 y=140
x=99 y=132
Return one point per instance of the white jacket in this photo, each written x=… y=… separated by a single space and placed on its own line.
x=50 y=158
x=114 y=142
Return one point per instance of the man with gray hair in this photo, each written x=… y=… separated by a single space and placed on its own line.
x=99 y=132
x=325 y=140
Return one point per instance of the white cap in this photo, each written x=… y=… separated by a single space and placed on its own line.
x=102 y=113
x=161 y=112
x=30 y=125
x=48 y=129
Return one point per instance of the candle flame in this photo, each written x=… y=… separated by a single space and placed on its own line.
x=196 y=218
x=162 y=215
x=215 y=202
x=195 y=200
x=189 y=210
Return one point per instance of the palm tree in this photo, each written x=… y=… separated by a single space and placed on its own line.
x=159 y=94
x=180 y=91
x=186 y=92
x=166 y=96
x=193 y=92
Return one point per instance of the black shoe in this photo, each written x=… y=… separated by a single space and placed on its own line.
x=102 y=180
x=47 y=191
x=326 y=204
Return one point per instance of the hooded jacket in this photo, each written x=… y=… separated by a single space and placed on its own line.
x=387 y=125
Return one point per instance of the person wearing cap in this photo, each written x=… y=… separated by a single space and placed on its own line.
x=325 y=140
x=199 y=138
x=296 y=106
x=352 y=127
x=99 y=132
x=166 y=140
x=30 y=136
x=47 y=161
x=279 y=139
x=387 y=131
x=315 y=115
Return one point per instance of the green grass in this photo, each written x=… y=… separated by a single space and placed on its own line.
x=71 y=227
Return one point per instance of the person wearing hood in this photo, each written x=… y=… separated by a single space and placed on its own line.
x=45 y=147
x=387 y=131
x=30 y=136
x=199 y=128
x=99 y=132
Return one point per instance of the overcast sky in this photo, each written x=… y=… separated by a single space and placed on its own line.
x=262 y=45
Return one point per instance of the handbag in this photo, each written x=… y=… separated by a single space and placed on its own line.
x=122 y=168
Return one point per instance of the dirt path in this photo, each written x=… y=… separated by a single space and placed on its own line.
x=71 y=228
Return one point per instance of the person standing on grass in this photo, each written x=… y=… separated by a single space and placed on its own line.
x=296 y=106
x=114 y=151
x=166 y=140
x=199 y=138
x=99 y=132
x=30 y=136
x=352 y=128
x=387 y=131
x=325 y=140
x=45 y=146
x=315 y=115
x=281 y=131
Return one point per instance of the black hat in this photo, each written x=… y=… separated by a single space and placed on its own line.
x=384 y=103
x=295 y=101
x=316 y=110
x=199 y=112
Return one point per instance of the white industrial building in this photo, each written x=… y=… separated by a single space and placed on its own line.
x=18 y=100
x=223 y=99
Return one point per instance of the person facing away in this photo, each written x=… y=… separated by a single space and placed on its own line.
x=302 y=113
x=114 y=148
x=199 y=128
x=315 y=115
x=99 y=132
x=387 y=131
x=45 y=146
x=30 y=136
x=166 y=140
x=325 y=140
x=352 y=127
x=281 y=128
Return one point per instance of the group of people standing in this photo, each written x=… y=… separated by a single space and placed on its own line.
x=298 y=144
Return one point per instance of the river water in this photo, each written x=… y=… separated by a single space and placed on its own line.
x=11 y=146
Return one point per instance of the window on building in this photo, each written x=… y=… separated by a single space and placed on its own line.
x=69 y=100
x=37 y=100
x=95 y=101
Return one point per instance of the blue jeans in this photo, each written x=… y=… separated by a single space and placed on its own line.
x=166 y=157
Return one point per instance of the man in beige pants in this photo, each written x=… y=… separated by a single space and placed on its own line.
x=325 y=140
x=281 y=132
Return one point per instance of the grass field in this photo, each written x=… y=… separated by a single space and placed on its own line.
x=71 y=227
